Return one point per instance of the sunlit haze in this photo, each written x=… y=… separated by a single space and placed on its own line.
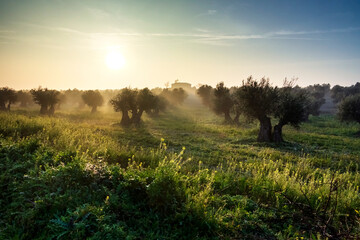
x=115 y=60
x=115 y=44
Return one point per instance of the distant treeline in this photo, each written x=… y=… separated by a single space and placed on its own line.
x=338 y=93
x=254 y=99
x=51 y=100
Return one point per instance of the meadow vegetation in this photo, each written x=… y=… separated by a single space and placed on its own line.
x=182 y=175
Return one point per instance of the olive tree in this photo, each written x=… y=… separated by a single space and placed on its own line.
x=179 y=95
x=290 y=109
x=349 y=109
x=257 y=100
x=53 y=98
x=93 y=99
x=145 y=101
x=160 y=105
x=7 y=97
x=74 y=97
x=223 y=101
x=133 y=103
x=236 y=109
x=316 y=98
x=24 y=97
x=206 y=92
x=62 y=100
x=338 y=93
x=124 y=102
x=47 y=99
x=176 y=96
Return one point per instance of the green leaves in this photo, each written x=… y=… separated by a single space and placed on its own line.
x=349 y=109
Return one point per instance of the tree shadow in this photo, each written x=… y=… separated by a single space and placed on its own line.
x=291 y=147
x=214 y=143
x=135 y=136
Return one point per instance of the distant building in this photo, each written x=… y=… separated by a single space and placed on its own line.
x=184 y=85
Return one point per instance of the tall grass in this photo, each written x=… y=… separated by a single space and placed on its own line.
x=76 y=177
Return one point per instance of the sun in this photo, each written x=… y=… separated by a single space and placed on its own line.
x=115 y=60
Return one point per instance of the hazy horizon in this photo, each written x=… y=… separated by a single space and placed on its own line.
x=115 y=44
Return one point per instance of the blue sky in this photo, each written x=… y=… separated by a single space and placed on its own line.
x=63 y=44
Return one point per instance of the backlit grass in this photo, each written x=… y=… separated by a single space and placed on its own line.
x=179 y=176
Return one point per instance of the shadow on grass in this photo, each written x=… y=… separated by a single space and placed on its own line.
x=214 y=143
x=136 y=136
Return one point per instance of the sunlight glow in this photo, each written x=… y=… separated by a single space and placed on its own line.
x=115 y=60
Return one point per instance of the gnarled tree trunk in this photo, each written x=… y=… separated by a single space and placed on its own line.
x=265 y=130
x=94 y=109
x=236 y=119
x=278 y=133
x=43 y=109
x=2 y=106
x=227 y=117
x=136 y=118
x=125 y=120
x=51 y=110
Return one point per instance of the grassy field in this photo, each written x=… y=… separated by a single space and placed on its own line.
x=183 y=175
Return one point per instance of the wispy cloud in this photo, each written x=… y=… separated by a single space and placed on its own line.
x=208 y=12
x=202 y=30
x=98 y=13
x=338 y=30
x=202 y=36
x=51 y=28
x=6 y=32
x=211 y=12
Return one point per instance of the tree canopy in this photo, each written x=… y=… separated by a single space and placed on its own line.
x=257 y=100
x=47 y=99
x=93 y=99
x=223 y=102
x=205 y=92
x=349 y=109
x=338 y=93
x=7 y=97
x=133 y=103
x=175 y=96
x=24 y=97
x=290 y=109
